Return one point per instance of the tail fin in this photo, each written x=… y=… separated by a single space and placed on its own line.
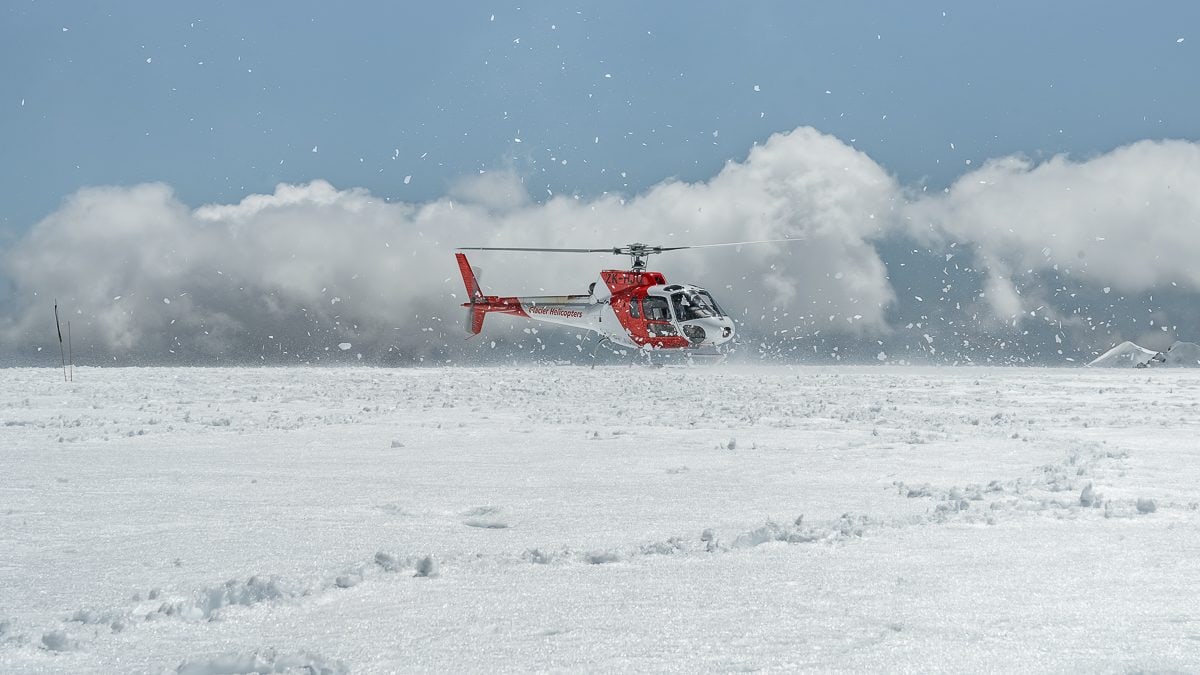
x=473 y=291
x=474 y=322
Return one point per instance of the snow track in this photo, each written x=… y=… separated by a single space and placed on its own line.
x=222 y=521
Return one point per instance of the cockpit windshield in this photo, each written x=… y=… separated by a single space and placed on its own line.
x=691 y=305
x=712 y=302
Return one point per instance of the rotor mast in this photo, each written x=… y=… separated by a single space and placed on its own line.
x=637 y=254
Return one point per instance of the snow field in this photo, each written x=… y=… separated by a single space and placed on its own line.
x=365 y=520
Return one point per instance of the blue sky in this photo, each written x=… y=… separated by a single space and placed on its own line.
x=224 y=99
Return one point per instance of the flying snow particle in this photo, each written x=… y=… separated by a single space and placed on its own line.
x=882 y=356
x=757 y=88
x=149 y=59
x=344 y=346
x=407 y=180
x=166 y=301
x=314 y=148
x=1179 y=41
x=1107 y=290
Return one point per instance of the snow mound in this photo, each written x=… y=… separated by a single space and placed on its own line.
x=262 y=661
x=486 y=518
x=1124 y=355
x=58 y=641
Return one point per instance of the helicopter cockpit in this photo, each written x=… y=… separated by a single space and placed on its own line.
x=690 y=308
x=694 y=304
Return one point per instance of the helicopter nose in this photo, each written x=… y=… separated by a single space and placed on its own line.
x=723 y=332
x=712 y=331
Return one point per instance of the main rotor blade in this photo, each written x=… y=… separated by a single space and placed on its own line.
x=627 y=249
x=734 y=243
x=545 y=250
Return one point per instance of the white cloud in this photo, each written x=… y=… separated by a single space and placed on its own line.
x=1129 y=218
x=310 y=264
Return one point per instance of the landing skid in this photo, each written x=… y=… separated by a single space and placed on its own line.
x=659 y=358
x=674 y=357
x=700 y=358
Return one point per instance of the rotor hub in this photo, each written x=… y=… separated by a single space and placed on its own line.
x=638 y=253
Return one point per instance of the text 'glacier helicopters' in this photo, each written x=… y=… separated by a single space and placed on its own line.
x=632 y=308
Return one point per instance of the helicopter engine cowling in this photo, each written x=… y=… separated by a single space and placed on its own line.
x=600 y=291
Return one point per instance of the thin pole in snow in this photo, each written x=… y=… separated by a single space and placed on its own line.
x=58 y=327
x=70 y=351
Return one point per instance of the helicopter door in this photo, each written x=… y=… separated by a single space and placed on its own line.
x=658 y=317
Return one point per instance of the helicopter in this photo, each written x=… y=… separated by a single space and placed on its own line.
x=633 y=308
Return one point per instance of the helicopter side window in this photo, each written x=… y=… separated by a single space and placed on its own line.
x=656 y=309
x=635 y=308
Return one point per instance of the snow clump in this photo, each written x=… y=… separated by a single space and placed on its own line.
x=427 y=567
x=262 y=661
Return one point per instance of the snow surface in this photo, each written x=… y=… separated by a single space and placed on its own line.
x=368 y=520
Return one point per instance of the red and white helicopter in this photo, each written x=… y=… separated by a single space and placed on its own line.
x=633 y=308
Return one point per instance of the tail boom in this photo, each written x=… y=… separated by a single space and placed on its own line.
x=481 y=304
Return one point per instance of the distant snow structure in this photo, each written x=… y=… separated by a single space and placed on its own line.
x=1183 y=354
x=1130 y=355
x=1124 y=355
